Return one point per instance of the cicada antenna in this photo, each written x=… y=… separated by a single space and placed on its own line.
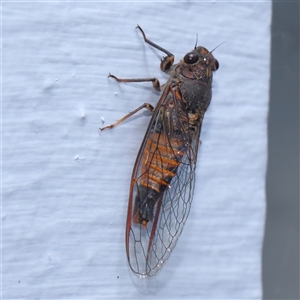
x=196 y=41
x=217 y=47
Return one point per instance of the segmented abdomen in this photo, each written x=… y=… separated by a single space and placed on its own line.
x=160 y=159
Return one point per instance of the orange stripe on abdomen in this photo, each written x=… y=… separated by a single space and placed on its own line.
x=160 y=160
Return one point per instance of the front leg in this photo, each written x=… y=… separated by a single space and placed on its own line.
x=167 y=61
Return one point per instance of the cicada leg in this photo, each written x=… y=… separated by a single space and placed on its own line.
x=166 y=62
x=145 y=105
x=156 y=86
x=165 y=65
x=155 y=81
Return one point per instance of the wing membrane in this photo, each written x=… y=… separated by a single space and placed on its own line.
x=162 y=186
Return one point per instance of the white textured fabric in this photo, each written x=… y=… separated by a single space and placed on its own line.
x=65 y=186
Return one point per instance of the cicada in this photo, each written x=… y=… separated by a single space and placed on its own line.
x=163 y=177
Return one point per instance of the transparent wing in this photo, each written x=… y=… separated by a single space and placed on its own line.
x=162 y=186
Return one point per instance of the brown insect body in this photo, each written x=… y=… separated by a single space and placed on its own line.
x=163 y=177
x=190 y=92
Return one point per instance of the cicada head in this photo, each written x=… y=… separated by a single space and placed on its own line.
x=198 y=64
x=202 y=56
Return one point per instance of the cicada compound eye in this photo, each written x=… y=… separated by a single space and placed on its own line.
x=191 y=58
x=216 y=65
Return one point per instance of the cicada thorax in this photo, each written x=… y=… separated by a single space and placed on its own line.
x=194 y=72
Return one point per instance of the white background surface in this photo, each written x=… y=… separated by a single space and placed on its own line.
x=65 y=186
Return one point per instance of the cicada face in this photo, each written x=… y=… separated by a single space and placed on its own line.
x=201 y=56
